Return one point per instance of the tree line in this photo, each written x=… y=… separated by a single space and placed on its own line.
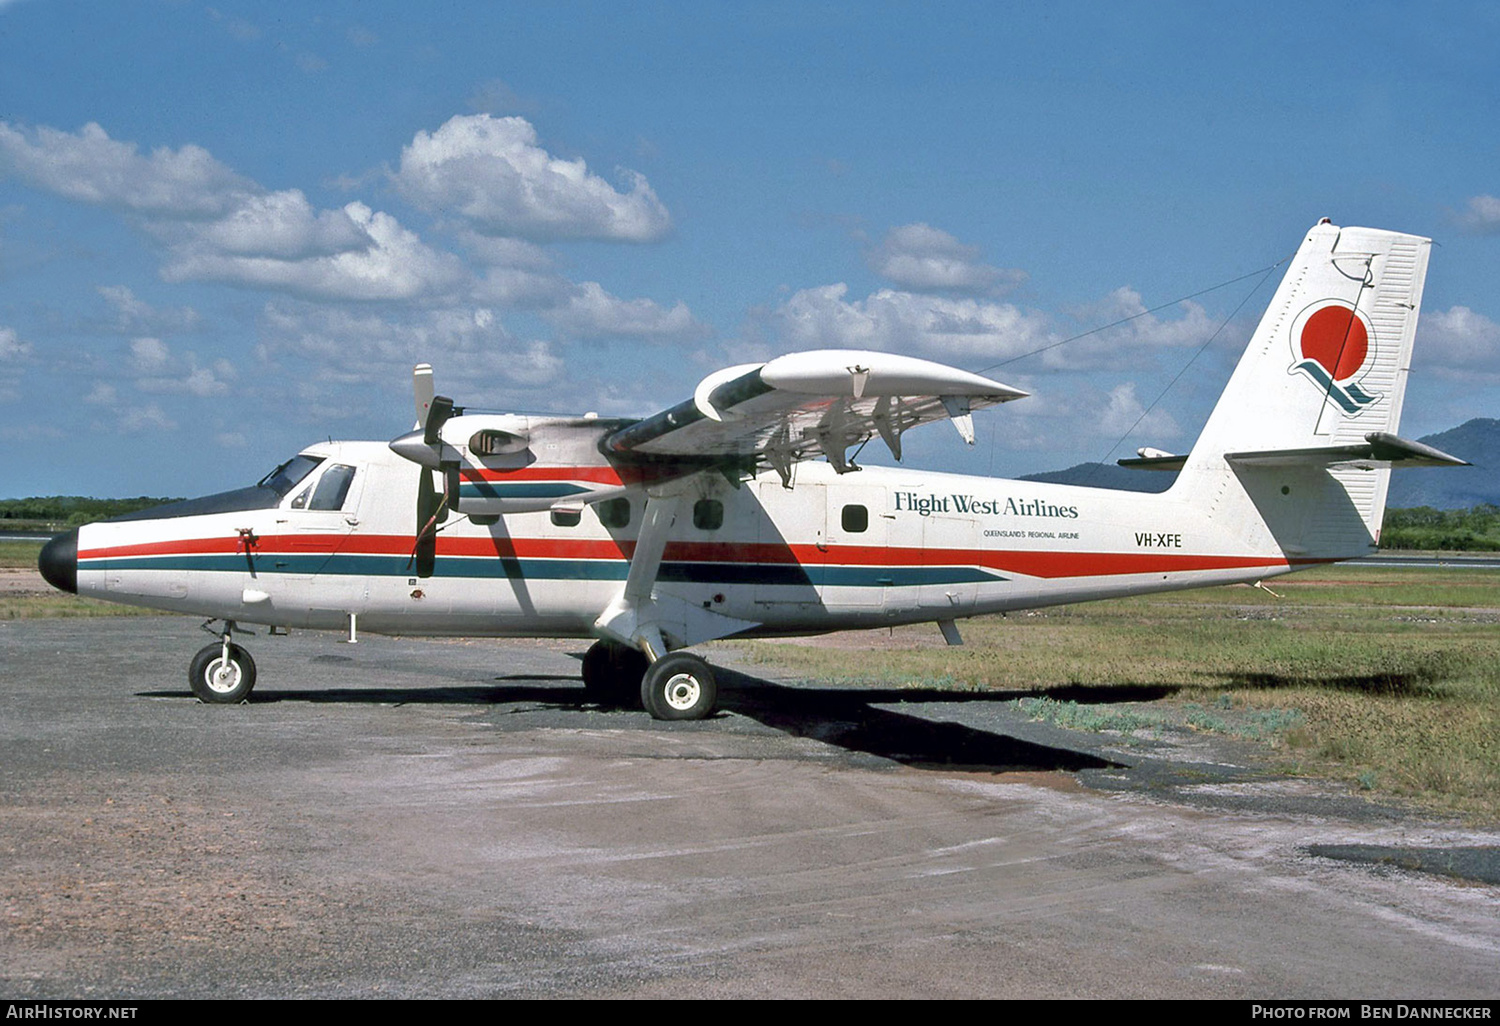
x=1449 y=530
x=1420 y=527
x=62 y=511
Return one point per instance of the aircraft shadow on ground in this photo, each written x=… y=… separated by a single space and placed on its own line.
x=1396 y=684
x=845 y=717
x=849 y=718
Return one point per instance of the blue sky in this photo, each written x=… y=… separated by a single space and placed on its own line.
x=228 y=230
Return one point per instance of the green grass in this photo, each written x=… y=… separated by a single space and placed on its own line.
x=19 y=553
x=32 y=607
x=16 y=554
x=1386 y=677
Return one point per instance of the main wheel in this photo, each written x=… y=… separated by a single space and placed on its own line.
x=216 y=681
x=612 y=673
x=679 y=686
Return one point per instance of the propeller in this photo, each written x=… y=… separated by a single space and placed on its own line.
x=432 y=509
x=421 y=386
x=424 y=446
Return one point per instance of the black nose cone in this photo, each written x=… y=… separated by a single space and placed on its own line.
x=59 y=562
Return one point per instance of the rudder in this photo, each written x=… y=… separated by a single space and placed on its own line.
x=1326 y=368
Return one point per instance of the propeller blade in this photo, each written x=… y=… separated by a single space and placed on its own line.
x=424 y=446
x=425 y=551
x=438 y=413
x=421 y=387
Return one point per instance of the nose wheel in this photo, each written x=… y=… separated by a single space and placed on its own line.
x=679 y=686
x=222 y=674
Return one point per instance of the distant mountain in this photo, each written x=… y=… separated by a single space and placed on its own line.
x=1477 y=441
x=1107 y=475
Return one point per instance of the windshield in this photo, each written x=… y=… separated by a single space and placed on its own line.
x=285 y=477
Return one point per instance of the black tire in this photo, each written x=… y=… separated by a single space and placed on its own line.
x=217 y=684
x=679 y=686
x=612 y=673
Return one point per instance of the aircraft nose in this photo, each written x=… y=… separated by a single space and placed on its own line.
x=59 y=562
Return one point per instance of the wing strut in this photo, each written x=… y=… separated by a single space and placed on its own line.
x=654 y=622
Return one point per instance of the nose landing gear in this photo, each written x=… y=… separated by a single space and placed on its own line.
x=222 y=673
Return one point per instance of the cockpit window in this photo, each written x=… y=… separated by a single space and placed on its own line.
x=333 y=487
x=285 y=477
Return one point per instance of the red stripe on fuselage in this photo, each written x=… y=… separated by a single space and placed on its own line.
x=1022 y=562
x=594 y=475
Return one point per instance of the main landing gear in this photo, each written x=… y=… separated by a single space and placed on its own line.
x=678 y=686
x=612 y=673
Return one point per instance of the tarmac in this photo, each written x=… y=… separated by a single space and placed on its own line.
x=405 y=818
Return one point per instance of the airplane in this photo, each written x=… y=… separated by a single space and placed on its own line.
x=739 y=512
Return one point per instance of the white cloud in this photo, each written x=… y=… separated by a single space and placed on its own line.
x=283 y=225
x=1124 y=410
x=134 y=314
x=157 y=370
x=467 y=343
x=306 y=61
x=520 y=273
x=905 y=322
x=592 y=313
x=1482 y=215
x=926 y=259
x=1120 y=347
x=239 y=28
x=13 y=353
x=90 y=167
x=497 y=251
x=533 y=363
x=396 y=265
x=102 y=394
x=220 y=226
x=12 y=349
x=491 y=172
x=519 y=288
x=1459 y=342
x=139 y=419
x=149 y=354
x=199 y=381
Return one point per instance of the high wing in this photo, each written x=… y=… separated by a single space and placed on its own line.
x=811 y=404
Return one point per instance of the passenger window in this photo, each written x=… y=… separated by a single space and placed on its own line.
x=708 y=514
x=614 y=512
x=333 y=487
x=856 y=519
x=566 y=517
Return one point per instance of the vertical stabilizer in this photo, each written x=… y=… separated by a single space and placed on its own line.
x=1327 y=366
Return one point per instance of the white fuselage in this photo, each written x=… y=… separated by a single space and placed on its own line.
x=836 y=551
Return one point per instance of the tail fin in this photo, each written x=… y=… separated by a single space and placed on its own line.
x=1325 y=371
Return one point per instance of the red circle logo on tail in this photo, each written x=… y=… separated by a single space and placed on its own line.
x=1335 y=338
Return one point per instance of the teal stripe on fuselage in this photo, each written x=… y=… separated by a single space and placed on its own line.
x=519 y=489
x=361 y=564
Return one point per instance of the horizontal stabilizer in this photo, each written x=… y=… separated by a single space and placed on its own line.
x=1153 y=459
x=1379 y=447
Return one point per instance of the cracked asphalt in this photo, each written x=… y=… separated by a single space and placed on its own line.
x=403 y=818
